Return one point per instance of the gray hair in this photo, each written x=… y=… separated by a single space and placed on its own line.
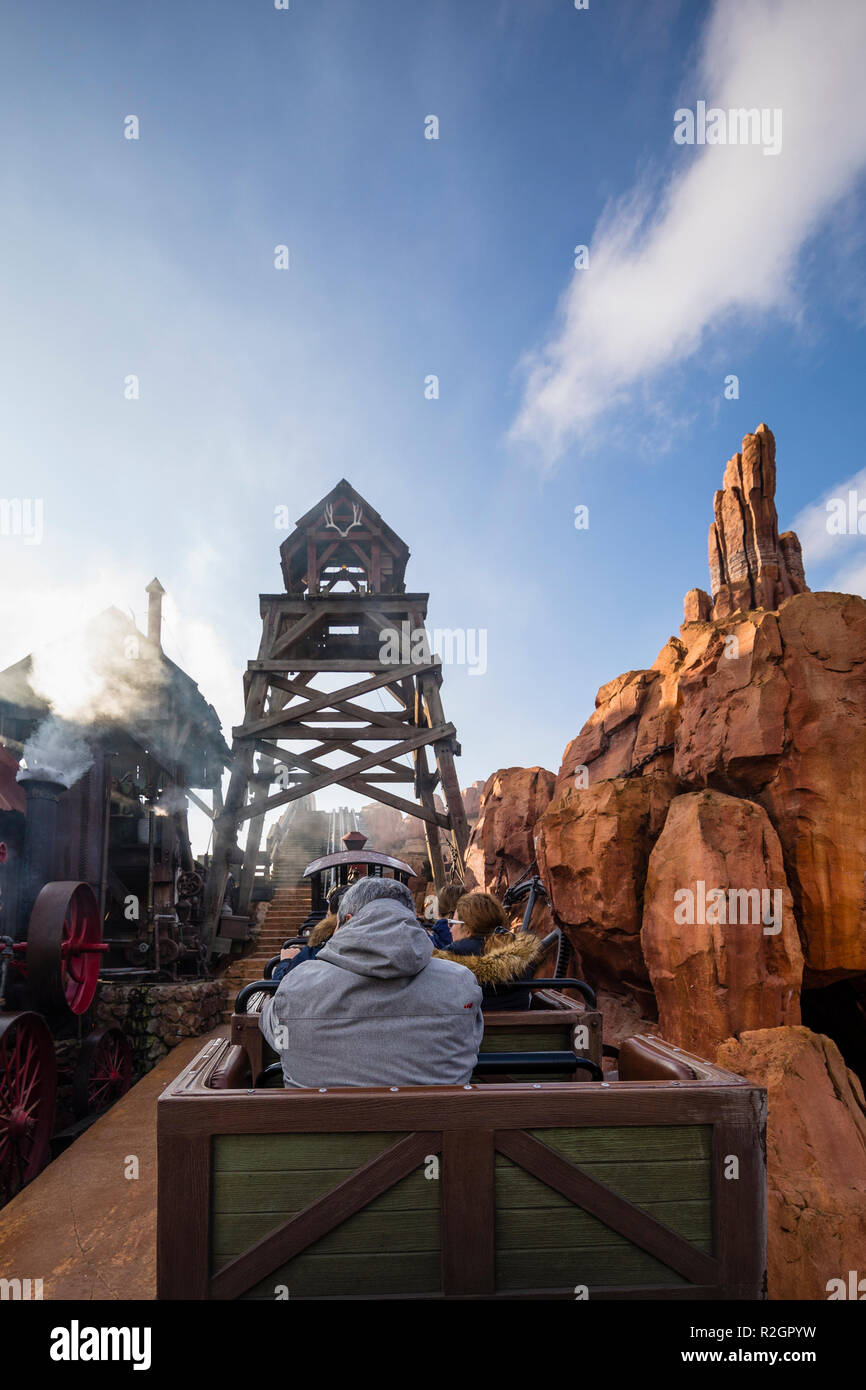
x=366 y=890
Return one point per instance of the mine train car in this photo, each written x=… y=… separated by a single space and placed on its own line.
x=544 y=1178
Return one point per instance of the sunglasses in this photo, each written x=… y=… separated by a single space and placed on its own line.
x=456 y=922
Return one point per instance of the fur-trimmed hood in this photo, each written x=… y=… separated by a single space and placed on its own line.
x=322 y=932
x=508 y=957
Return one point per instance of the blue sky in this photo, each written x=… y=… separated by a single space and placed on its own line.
x=409 y=256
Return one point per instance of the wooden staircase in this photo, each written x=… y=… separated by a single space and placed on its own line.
x=285 y=913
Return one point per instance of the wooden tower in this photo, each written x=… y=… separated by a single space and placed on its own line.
x=343 y=663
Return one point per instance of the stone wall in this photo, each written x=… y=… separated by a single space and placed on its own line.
x=156 y=1017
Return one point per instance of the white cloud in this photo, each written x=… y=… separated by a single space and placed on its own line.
x=723 y=234
x=819 y=544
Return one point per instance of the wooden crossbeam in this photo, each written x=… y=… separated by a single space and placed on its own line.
x=339 y=774
x=313 y=1223
x=310 y=763
x=295 y=633
x=370 y=733
x=600 y=1201
x=409 y=808
x=324 y=699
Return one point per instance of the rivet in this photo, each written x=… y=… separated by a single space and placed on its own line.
x=467 y=1088
x=393 y=1088
x=605 y=1083
x=323 y=1090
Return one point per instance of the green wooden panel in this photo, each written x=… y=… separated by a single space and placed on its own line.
x=285 y=1193
x=526 y=1040
x=551 y=1269
x=552 y=1228
x=637 y=1182
x=367 y=1232
x=341 y=1276
x=255 y=1153
x=648 y=1142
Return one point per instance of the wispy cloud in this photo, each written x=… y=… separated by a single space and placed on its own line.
x=721 y=236
x=830 y=536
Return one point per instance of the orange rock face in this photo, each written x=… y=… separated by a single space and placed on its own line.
x=719 y=935
x=593 y=848
x=751 y=566
x=502 y=845
x=772 y=707
x=816 y=1158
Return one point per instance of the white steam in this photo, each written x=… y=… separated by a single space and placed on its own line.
x=56 y=752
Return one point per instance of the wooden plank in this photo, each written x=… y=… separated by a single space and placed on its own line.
x=352 y=1276
x=286 y=1193
x=622 y=1216
x=409 y=808
x=366 y=1232
x=298 y=630
x=183 y=1209
x=325 y=699
x=339 y=774
x=276 y=1154
x=516 y=1269
x=318 y=1219
x=468 y=1212
x=650 y=1143
x=533 y=1040
x=343 y=664
x=641 y=1184
x=285 y=727
x=740 y=1202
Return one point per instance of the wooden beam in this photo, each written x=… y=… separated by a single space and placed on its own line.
x=468 y=1212
x=197 y=801
x=339 y=774
x=409 y=808
x=294 y=732
x=313 y=1223
x=607 y=1206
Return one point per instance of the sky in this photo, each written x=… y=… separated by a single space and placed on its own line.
x=559 y=387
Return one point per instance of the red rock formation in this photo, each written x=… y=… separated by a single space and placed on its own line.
x=593 y=848
x=712 y=976
x=501 y=847
x=751 y=566
x=472 y=800
x=816 y=1157
x=771 y=706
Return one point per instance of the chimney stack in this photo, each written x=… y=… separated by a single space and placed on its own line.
x=154 y=592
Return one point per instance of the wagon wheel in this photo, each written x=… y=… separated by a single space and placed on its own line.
x=189 y=884
x=64 y=946
x=28 y=1085
x=103 y=1073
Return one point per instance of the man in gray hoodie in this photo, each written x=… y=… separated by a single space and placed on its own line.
x=374 y=1008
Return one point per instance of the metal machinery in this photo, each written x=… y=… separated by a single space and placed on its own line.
x=51 y=949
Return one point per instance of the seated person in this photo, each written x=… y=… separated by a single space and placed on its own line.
x=443 y=908
x=290 y=956
x=498 y=957
x=374 y=1008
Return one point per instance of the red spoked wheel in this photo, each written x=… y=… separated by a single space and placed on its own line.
x=103 y=1073
x=28 y=1086
x=64 y=947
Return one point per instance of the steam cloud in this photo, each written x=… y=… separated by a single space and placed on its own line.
x=56 y=752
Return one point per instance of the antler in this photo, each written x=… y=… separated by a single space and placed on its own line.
x=331 y=523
